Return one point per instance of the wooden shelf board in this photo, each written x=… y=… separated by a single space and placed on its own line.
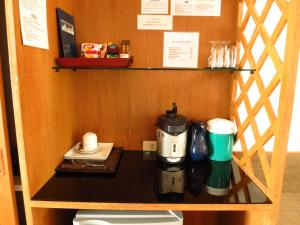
x=140 y=206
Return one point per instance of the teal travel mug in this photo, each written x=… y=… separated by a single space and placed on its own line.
x=220 y=139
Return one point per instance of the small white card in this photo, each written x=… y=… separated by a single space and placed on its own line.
x=196 y=7
x=154 y=6
x=181 y=49
x=155 y=22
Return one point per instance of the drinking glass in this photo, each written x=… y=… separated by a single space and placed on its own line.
x=213 y=55
x=227 y=55
x=220 y=54
x=233 y=56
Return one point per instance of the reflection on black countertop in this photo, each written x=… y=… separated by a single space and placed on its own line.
x=142 y=179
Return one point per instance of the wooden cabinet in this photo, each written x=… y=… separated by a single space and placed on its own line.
x=52 y=110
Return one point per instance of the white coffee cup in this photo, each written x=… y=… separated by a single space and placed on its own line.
x=90 y=141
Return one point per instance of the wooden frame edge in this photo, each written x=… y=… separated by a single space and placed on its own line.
x=13 y=66
x=286 y=105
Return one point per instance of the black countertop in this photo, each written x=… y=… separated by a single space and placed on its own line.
x=141 y=179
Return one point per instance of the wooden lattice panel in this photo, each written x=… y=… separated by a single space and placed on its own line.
x=257 y=101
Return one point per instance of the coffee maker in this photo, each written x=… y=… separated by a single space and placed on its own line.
x=171 y=131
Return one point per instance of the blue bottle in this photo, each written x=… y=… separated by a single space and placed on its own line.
x=198 y=148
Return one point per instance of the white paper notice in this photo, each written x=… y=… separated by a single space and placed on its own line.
x=155 y=6
x=33 y=16
x=181 y=49
x=155 y=22
x=196 y=7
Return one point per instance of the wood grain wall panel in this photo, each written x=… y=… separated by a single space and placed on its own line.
x=100 y=21
x=53 y=216
x=198 y=218
x=245 y=218
x=47 y=102
x=122 y=106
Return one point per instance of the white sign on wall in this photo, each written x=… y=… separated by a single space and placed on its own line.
x=196 y=7
x=155 y=6
x=33 y=16
x=181 y=49
x=155 y=22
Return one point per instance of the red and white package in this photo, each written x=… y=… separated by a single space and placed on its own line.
x=90 y=50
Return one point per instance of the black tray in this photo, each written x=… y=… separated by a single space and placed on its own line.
x=108 y=166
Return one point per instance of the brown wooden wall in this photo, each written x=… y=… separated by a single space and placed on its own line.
x=122 y=106
x=47 y=102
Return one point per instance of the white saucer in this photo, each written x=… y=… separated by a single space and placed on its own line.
x=81 y=150
x=100 y=155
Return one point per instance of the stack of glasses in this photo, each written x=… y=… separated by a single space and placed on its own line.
x=223 y=54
